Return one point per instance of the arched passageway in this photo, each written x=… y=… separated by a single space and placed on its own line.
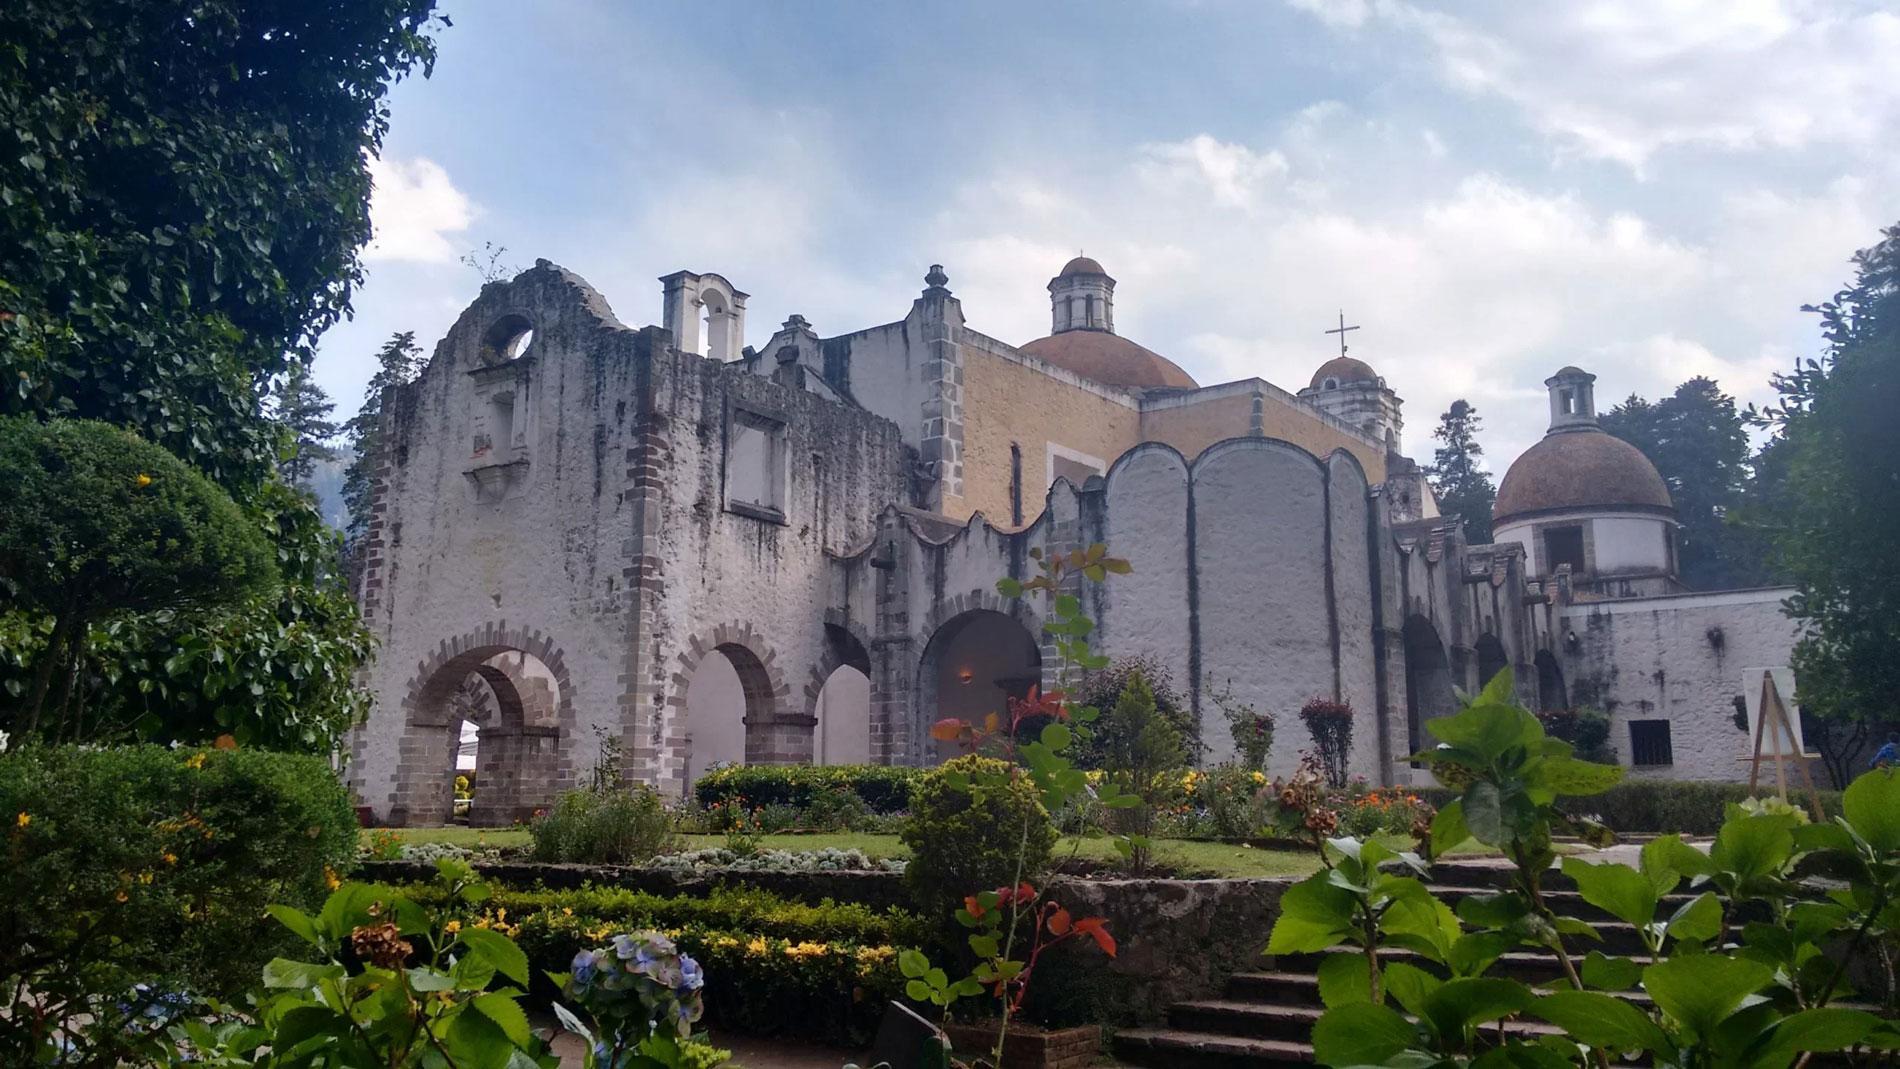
x=1491 y=658
x=729 y=700
x=973 y=664
x=841 y=701
x=1428 y=683
x=493 y=714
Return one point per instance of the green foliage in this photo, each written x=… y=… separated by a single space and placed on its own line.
x=1684 y=806
x=1141 y=751
x=1830 y=519
x=303 y=410
x=186 y=186
x=1330 y=724
x=1586 y=730
x=398 y=362
x=1723 y=990
x=884 y=788
x=149 y=865
x=1103 y=689
x=1699 y=445
x=973 y=827
x=1457 y=476
x=1250 y=728
x=604 y=827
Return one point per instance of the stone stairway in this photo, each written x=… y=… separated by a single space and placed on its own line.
x=1265 y=1018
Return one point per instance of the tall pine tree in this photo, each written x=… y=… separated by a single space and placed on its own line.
x=1463 y=487
x=304 y=411
x=397 y=362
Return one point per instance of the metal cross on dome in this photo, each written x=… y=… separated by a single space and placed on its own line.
x=1341 y=330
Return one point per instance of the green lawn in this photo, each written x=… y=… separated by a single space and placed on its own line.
x=1217 y=858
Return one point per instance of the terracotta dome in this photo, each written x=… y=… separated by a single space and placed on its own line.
x=1344 y=370
x=1081 y=265
x=1110 y=358
x=1581 y=469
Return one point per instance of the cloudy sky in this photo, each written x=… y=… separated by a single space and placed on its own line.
x=1647 y=188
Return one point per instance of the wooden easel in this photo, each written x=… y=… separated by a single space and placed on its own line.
x=1774 y=716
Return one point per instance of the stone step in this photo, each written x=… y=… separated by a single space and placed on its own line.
x=1531 y=966
x=1171 y=1048
x=1256 y=1020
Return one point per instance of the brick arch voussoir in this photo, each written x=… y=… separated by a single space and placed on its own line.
x=768 y=686
x=829 y=662
x=431 y=681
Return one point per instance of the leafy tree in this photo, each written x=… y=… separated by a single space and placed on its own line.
x=304 y=411
x=1463 y=487
x=184 y=189
x=1699 y=445
x=397 y=362
x=1142 y=751
x=1833 y=518
x=102 y=522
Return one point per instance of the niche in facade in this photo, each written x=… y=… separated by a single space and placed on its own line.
x=756 y=470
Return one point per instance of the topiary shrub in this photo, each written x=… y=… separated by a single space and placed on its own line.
x=146 y=865
x=615 y=826
x=965 y=837
x=101 y=521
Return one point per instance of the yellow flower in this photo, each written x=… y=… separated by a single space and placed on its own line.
x=196 y=760
x=452 y=927
x=756 y=946
x=1259 y=777
x=330 y=879
x=23 y=819
x=146 y=876
x=567 y=911
x=143 y=480
x=121 y=897
x=170 y=858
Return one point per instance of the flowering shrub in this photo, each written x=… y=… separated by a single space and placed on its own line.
x=635 y=987
x=1330 y=724
x=1385 y=810
x=1224 y=802
x=145 y=865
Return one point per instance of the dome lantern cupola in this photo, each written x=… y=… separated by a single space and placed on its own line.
x=1572 y=399
x=1082 y=297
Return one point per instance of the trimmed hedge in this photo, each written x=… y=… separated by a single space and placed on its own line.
x=1689 y=807
x=146 y=864
x=773 y=966
x=884 y=788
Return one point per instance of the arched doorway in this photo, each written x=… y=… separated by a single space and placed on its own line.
x=728 y=701
x=1428 y=685
x=493 y=713
x=841 y=701
x=1552 y=695
x=973 y=664
x=1491 y=658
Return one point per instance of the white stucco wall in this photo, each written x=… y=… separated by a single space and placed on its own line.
x=1661 y=658
x=1629 y=543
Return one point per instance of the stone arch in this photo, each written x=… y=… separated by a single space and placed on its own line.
x=839 y=696
x=1491 y=658
x=773 y=733
x=507 y=338
x=1552 y=694
x=977 y=653
x=523 y=746
x=1428 y=682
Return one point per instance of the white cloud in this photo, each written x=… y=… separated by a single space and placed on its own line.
x=1625 y=79
x=1468 y=283
x=414 y=210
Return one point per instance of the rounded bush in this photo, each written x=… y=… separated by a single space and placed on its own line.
x=603 y=827
x=144 y=864
x=969 y=819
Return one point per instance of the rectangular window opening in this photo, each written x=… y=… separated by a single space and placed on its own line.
x=755 y=464
x=1649 y=743
x=1563 y=545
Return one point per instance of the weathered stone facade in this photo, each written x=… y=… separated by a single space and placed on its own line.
x=584 y=533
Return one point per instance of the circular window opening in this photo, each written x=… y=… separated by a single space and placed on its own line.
x=507 y=340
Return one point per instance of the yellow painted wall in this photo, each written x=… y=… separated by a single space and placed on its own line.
x=1005 y=402
x=1192 y=428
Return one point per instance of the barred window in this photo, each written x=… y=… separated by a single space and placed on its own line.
x=1649 y=743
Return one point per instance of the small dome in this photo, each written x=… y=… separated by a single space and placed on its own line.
x=1081 y=265
x=1581 y=469
x=1111 y=359
x=1344 y=370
